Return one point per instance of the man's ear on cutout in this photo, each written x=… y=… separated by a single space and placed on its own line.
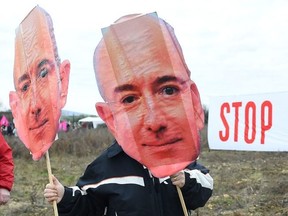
x=14 y=103
x=64 y=77
x=198 y=110
x=106 y=115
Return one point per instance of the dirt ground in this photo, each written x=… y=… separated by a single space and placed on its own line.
x=245 y=183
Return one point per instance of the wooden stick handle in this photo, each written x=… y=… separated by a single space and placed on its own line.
x=51 y=181
x=182 y=201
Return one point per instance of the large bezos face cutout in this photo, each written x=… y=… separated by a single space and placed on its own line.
x=152 y=107
x=41 y=83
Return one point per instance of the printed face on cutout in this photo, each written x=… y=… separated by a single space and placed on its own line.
x=150 y=105
x=39 y=82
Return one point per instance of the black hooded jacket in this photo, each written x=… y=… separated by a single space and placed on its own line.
x=114 y=184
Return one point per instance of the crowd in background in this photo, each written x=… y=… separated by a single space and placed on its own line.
x=8 y=130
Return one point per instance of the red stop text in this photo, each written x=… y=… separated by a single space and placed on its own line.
x=250 y=113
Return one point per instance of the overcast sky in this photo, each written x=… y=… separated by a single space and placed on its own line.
x=232 y=47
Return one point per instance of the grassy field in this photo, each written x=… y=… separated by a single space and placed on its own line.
x=245 y=183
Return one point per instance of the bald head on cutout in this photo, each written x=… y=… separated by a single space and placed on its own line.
x=152 y=107
x=41 y=82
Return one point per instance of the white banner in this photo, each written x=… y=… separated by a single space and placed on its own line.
x=256 y=122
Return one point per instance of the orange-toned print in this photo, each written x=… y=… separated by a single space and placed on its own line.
x=152 y=106
x=41 y=83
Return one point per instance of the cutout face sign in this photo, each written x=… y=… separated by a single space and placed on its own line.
x=152 y=107
x=41 y=83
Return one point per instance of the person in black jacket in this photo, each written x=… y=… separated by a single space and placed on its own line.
x=154 y=111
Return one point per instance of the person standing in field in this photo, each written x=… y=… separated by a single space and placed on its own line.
x=154 y=111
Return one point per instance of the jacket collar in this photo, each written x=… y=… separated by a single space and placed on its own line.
x=114 y=149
